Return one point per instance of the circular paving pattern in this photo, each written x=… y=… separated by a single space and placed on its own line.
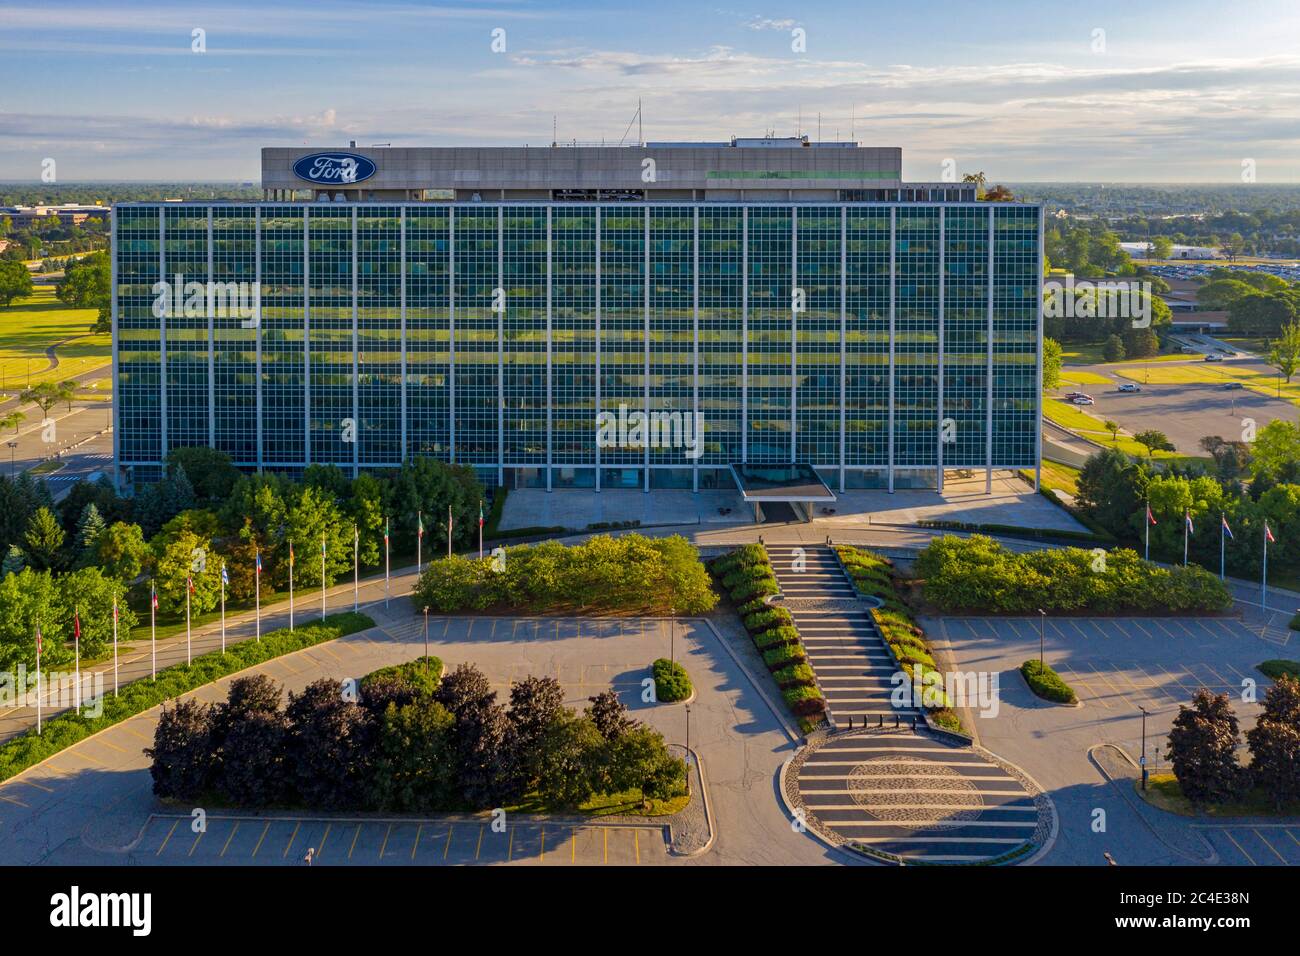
x=887 y=790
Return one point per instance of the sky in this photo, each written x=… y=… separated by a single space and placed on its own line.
x=1134 y=91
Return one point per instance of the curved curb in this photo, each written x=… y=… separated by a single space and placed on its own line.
x=1120 y=785
x=1051 y=703
x=793 y=813
x=708 y=814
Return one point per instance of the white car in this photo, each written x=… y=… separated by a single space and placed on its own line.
x=1130 y=387
x=1083 y=400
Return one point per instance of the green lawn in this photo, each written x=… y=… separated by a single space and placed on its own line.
x=31 y=325
x=1090 y=353
x=1164 y=792
x=1060 y=477
x=1077 y=420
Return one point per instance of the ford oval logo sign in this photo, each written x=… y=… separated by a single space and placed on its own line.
x=334 y=169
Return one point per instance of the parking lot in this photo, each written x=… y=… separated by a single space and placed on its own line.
x=1259 y=845
x=1125 y=664
x=284 y=841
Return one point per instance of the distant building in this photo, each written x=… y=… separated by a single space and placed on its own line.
x=68 y=214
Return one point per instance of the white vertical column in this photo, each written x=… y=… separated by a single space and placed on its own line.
x=501 y=349
x=599 y=212
x=257 y=325
x=794 y=335
x=695 y=349
x=451 y=334
x=550 y=393
x=1038 y=377
x=943 y=224
x=401 y=224
x=306 y=335
x=356 y=358
x=844 y=321
x=646 y=339
x=162 y=338
x=893 y=305
x=114 y=329
x=988 y=400
x=212 y=345
x=744 y=335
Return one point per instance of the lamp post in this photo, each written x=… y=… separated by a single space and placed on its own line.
x=1143 y=760
x=672 y=636
x=1042 y=627
x=688 y=749
x=13 y=447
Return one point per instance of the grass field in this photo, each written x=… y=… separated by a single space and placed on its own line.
x=1060 y=477
x=1077 y=420
x=31 y=325
x=1089 y=353
x=1080 y=377
x=1166 y=794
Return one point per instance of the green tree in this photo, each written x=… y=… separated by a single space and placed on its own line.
x=1260 y=314
x=27 y=600
x=89 y=529
x=15 y=281
x=90 y=594
x=14 y=561
x=1140 y=343
x=210 y=472
x=12 y=420
x=639 y=760
x=1285 y=352
x=87 y=284
x=1153 y=441
x=313 y=515
x=44 y=395
x=43 y=540
x=1111 y=426
x=1202 y=749
x=563 y=756
x=182 y=765
x=1051 y=363
x=1276 y=448
x=121 y=551
x=1162 y=247
x=1109 y=489
x=367 y=507
x=414 y=768
x=1218 y=295
x=181 y=559
x=1113 y=350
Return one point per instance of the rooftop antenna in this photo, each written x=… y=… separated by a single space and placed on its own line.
x=636 y=118
x=554 y=127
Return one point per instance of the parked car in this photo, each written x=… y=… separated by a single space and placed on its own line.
x=1083 y=400
x=1212 y=357
x=1231 y=386
x=1187 y=350
x=1130 y=387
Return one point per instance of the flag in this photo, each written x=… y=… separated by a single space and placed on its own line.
x=322 y=547
x=76 y=625
x=153 y=597
x=480 y=514
x=114 y=610
x=1268 y=534
x=225 y=576
x=189 y=583
x=419 y=531
x=1150 y=517
x=1191 y=529
x=259 y=564
x=385 y=531
x=39 y=642
x=1227 y=530
x=290 y=554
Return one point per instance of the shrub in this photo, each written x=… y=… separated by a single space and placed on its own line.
x=779 y=657
x=797 y=675
x=772 y=617
x=1295 y=623
x=671 y=681
x=805 y=701
x=1280 y=668
x=1046 y=683
x=182 y=751
x=776 y=636
x=754 y=588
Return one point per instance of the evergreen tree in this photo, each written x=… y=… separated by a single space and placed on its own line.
x=13 y=561
x=1202 y=749
x=1275 y=743
x=89 y=529
x=43 y=540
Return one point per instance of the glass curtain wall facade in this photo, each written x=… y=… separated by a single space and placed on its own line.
x=880 y=343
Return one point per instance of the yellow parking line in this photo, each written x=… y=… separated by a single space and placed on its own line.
x=415 y=846
x=1270 y=846
x=1107 y=682
x=33 y=783
x=324 y=836
x=175 y=824
x=226 y=846
x=196 y=841
x=148 y=740
x=480 y=842
x=605 y=831
x=111 y=746
x=292 y=836
x=573 y=845
x=8 y=799
x=1228 y=834
x=447 y=849
x=1154 y=685
x=636 y=841
x=260 y=839
x=542 y=855
x=384 y=846
x=1292 y=836
x=354 y=841
x=1073 y=678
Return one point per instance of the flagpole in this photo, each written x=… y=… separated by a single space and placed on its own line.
x=257 y=591
x=1223 y=544
x=449 y=531
x=385 y=564
x=356 y=548
x=1263 y=581
x=322 y=577
x=76 y=650
x=290 y=586
x=38 y=679
x=1187 y=525
x=480 y=529
x=1147 y=522
x=114 y=645
x=223 y=607
x=153 y=627
x=419 y=540
x=189 y=586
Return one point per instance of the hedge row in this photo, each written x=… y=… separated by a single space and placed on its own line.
x=68 y=728
x=672 y=683
x=1046 y=683
x=874 y=575
x=1275 y=669
x=746 y=573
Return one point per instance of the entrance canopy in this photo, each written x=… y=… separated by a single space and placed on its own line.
x=796 y=483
